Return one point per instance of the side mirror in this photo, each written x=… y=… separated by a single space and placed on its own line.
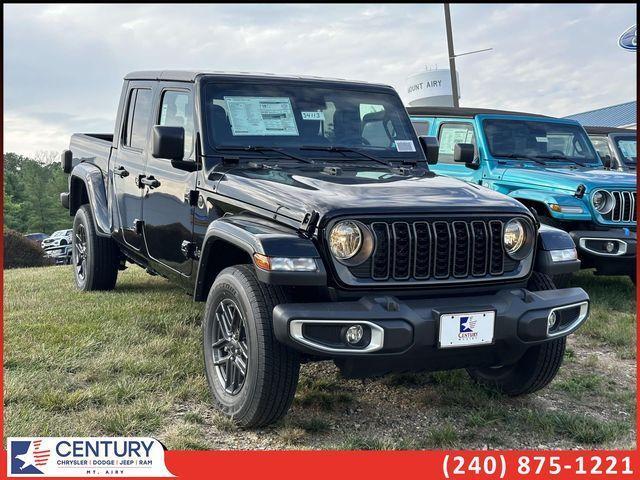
x=606 y=161
x=431 y=147
x=465 y=153
x=168 y=142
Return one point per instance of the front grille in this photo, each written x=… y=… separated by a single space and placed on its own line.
x=624 y=207
x=436 y=250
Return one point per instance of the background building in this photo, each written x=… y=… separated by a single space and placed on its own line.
x=623 y=115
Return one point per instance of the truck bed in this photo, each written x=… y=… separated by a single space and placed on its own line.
x=94 y=148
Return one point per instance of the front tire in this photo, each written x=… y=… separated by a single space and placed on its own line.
x=251 y=375
x=95 y=258
x=535 y=369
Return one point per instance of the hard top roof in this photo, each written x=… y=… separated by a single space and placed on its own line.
x=465 y=112
x=191 y=75
x=606 y=130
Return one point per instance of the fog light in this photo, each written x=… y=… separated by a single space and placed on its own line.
x=354 y=334
x=610 y=247
x=552 y=320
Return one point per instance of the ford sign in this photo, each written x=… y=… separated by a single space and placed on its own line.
x=629 y=40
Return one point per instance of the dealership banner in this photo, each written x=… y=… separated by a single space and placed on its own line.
x=86 y=457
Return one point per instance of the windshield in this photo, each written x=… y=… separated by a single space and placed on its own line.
x=627 y=147
x=296 y=116
x=539 y=140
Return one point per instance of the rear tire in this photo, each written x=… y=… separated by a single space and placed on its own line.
x=95 y=258
x=251 y=375
x=535 y=369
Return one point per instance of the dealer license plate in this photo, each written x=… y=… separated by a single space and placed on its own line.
x=466 y=329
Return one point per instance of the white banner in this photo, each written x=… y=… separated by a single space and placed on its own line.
x=86 y=457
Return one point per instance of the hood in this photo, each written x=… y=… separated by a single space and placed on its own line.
x=566 y=178
x=295 y=192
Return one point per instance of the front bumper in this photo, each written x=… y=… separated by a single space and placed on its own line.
x=410 y=329
x=59 y=254
x=611 y=252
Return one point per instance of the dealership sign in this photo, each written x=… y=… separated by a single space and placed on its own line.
x=86 y=457
x=629 y=39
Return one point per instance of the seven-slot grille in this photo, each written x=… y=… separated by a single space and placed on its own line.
x=436 y=250
x=624 y=206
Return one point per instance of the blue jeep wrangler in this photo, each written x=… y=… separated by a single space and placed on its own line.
x=549 y=165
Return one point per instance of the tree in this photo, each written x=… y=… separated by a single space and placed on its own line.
x=32 y=194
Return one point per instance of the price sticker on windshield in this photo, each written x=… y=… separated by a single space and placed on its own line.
x=405 y=146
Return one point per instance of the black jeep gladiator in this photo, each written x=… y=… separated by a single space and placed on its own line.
x=304 y=212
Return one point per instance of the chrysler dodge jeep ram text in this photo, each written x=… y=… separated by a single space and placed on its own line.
x=548 y=164
x=304 y=212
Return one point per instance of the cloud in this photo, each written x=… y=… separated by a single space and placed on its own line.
x=64 y=64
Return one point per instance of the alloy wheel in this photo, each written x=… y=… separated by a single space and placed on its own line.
x=230 y=348
x=80 y=252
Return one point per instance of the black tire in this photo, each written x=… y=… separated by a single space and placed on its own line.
x=95 y=258
x=271 y=369
x=535 y=369
x=562 y=280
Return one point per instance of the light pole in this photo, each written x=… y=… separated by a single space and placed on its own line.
x=452 y=56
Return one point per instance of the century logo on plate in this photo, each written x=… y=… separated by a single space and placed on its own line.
x=86 y=457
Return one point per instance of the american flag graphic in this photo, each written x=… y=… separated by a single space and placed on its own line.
x=41 y=457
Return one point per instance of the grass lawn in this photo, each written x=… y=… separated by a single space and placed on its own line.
x=129 y=362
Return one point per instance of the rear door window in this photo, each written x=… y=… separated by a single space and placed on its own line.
x=138 y=114
x=421 y=127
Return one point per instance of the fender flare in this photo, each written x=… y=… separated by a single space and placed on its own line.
x=255 y=235
x=551 y=238
x=93 y=180
x=546 y=198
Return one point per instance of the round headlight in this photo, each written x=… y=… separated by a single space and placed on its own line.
x=345 y=240
x=602 y=201
x=514 y=237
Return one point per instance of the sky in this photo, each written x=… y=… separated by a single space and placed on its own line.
x=64 y=64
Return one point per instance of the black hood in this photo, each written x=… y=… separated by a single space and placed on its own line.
x=296 y=191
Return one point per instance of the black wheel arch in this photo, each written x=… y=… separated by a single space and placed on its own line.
x=87 y=186
x=235 y=239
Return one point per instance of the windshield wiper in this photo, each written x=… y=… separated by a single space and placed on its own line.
x=322 y=148
x=522 y=157
x=260 y=149
x=561 y=157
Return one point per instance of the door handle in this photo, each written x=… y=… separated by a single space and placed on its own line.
x=121 y=172
x=150 y=182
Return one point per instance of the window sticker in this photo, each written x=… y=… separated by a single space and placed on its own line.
x=542 y=139
x=405 y=146
x=450 y=136
x=313 y=116
x=261 y=116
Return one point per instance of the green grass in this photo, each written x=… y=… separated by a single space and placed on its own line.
x=129 y=362
x=612 y=318
x=112 y=363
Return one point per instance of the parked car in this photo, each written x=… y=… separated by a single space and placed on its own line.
x=303 y=211
x=617 y=147
x=60 y=255
x=36 y=237
x=57 y=239
x=548 y=164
